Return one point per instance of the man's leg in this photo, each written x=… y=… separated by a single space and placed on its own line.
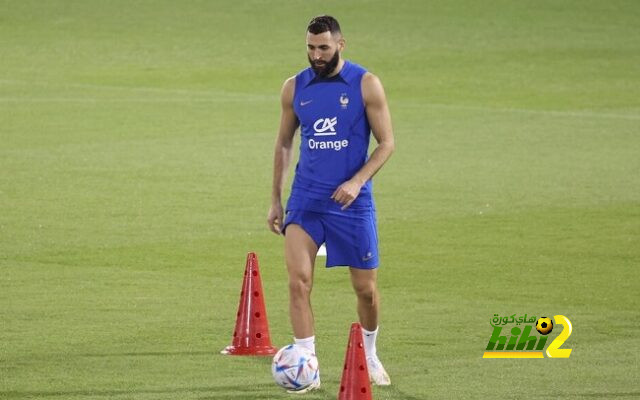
x=300 y=255
x=364 y=283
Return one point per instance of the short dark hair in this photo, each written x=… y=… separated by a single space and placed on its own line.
x=323 y=23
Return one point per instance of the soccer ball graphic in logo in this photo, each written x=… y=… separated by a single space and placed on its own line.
x=294 y=367
x=544 y=325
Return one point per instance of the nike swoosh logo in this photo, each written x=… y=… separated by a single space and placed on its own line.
x=304 y=103
x=367 y=258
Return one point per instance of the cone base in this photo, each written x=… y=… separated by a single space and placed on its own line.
x=249 y=351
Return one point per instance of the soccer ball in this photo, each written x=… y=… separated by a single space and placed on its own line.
x=294 y=367
x=544 y=325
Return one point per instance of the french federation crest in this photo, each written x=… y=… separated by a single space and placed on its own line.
x=344 y=100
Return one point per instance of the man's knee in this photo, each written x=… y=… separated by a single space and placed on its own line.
x=366 y=291
x=300 y=286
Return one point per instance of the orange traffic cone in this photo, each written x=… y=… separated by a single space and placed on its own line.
x=355 y=376
x=251 y=334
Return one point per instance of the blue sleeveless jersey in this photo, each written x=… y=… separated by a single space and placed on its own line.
x=334 y=142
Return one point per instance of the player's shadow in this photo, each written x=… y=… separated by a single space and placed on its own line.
x=151 y=354
x=401 y=394
x=252 y=390
x=211 y=392
x=266 y=393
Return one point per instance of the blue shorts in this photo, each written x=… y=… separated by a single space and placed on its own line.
x=351 y=240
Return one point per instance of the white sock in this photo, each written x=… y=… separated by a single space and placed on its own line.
x=370 y=342
x=309 y=343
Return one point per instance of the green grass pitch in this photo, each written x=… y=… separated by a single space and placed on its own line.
x=135 y=171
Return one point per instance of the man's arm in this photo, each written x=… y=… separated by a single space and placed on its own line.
x=282 y=154
x=379 y=117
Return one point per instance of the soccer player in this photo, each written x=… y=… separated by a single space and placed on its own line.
x=336 y=104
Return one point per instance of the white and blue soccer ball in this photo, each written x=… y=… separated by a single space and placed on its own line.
x=294 y=367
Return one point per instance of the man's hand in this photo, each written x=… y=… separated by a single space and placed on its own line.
x=275 y=218
x=347 y=193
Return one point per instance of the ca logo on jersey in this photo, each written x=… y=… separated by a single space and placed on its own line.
x=325 y=127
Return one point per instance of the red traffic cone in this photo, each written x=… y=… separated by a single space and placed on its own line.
x=355 y=376
x=251 y=335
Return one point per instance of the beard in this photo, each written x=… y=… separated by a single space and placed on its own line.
x=324 y=69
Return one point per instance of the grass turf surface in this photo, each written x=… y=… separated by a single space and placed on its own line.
x=135 y=166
